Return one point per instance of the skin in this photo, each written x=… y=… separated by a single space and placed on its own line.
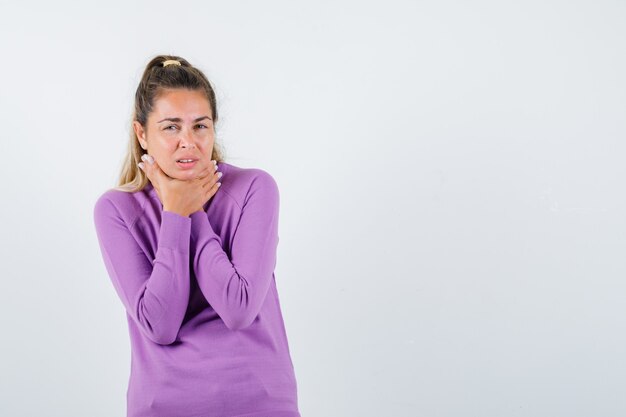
x=183 y=191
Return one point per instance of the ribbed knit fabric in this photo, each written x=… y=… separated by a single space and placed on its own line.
x=206 y=330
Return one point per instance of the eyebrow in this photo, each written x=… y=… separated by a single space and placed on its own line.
x=178 y=119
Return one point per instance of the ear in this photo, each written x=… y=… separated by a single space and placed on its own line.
x=140 y=133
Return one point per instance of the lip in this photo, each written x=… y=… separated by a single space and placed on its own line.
x=187 y=157
x=186 y=165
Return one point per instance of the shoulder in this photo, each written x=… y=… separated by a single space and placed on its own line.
x=241 y=184
x=118 y=204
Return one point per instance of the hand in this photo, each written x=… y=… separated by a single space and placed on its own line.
x=182 y=196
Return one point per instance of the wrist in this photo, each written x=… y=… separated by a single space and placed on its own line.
x=180 y=213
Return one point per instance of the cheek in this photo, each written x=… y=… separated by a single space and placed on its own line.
x=165 y=148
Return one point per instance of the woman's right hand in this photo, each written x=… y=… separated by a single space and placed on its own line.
x=182 y=196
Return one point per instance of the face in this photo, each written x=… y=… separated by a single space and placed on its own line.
x=179 y=127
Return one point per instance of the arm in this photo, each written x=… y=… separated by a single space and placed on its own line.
x=155 y=296
x=237 y=288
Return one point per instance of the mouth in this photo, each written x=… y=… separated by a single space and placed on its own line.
x=186 y=163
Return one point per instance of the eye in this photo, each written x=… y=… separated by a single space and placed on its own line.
x=168 y=127
x=202 y=126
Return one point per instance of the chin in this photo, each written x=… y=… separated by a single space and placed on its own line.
x=184 y=175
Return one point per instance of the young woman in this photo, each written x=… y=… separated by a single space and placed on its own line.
x=189 y=242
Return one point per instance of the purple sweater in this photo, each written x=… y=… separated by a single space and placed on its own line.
x=206 y=330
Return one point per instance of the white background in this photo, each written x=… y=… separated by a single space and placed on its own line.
x=452 y=228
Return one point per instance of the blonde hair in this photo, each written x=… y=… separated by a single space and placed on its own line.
x=156 y=78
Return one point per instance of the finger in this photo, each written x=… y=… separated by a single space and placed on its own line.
x=210 y=179
x=209 y=170
x=154 y=169
x=206 y=171
x=146 y=170
x=215 y=181
x=210 y=191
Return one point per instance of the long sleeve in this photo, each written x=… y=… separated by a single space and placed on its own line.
x=154 y=295
x=236 y=288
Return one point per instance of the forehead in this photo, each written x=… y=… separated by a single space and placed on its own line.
x=186 y=104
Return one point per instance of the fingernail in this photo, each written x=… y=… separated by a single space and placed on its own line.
x=219 y=175
x=140 y=165
x=150 y=159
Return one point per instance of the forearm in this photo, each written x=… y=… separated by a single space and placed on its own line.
x=155 y=293
x=236 y=291
x=166 y=297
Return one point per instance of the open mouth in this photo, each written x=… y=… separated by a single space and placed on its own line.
x=186 y=163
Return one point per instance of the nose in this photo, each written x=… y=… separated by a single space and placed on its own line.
x=186 y=141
